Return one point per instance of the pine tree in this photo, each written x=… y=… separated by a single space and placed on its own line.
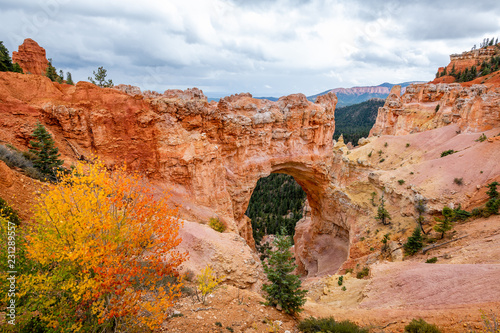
x=47 y=156
x=69 y=80
x=444 y=224
x=17 y=68
x=382 y=213
x=51 y=72
x=60 y=77
x=285 y=289
x=5 y=61
x=100 y=78
x=414 y=242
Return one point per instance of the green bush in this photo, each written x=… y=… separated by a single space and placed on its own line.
x=448 y=152
x=341 y=280
x=421 y=326
x=482 y=138
x=458 y=181
x=401 y=181
x=216 y=224
x=432 y=260
x=363 y=273
x=314 y=325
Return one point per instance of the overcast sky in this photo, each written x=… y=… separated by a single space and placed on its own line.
x=265 y=47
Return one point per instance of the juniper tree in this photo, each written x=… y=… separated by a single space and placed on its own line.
x=5 y=61
x=285 y=289
x=46 y=154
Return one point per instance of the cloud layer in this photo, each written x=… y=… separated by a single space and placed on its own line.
x=267 y=48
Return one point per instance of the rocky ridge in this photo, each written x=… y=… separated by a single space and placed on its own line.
x=31 y=57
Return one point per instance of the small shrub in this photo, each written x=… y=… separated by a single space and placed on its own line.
x=343 y=288
x=370 y=154
x=458 y=181
x=386 y=144
x=362 y=239
x=207 y=281
x=436 y=109
x=313 y=325
x=407 y=145
x=382 y=160
x=16 y=159
x=411 y=173
x=421 y=326
x=432 y=260
x=482 y=138
x=372 y=249
x=8 y=213
x=229 y=328
x=363 y=273
x=401 y=181
x=380 y=152
x=448 y=152
x=218 y=323
x=216 y=224
x=340 y=280
x=348 y=270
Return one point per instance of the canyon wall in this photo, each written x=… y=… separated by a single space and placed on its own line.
x=428 y=106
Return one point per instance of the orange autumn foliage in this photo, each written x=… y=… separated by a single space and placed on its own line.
x=113 y=244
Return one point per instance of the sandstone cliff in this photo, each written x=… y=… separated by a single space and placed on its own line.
x=31 y=57
x=427 y=106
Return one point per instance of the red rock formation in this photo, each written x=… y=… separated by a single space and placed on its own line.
x=469 y=58
x=427 y=106
x=31 y=57
x=211 y=154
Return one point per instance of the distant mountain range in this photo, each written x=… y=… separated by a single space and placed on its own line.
x=355 y=95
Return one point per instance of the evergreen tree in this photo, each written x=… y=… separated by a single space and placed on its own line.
x=444 y=224
x=46 y=155
x=100 y=78
x=5 y=61
x=60 y=77
x=69 y=80
x=51 y=72
x=492 y=190
x=453 y=70
x=382 y=213
x=17 y=68
x=285 y=289
x=414 y=242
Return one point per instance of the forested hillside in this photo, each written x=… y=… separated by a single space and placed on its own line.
x=276 y=201
x=355 y=121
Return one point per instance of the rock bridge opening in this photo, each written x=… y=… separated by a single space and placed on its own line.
x=321 y=243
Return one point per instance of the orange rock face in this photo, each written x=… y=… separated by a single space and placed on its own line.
x=428 y=106
x=31 y=57
x=211 y=155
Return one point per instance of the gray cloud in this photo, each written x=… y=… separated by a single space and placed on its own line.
x=264 y=47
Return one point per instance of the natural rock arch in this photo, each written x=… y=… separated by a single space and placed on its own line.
x=210 y=154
